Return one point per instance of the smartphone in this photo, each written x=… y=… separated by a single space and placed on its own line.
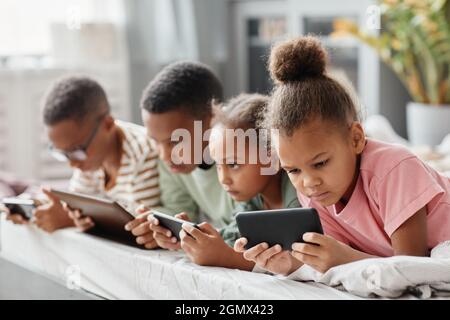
x=24 y=207
x=283 y=226
x=171 y=223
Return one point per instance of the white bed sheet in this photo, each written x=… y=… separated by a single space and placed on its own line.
x=116 y=271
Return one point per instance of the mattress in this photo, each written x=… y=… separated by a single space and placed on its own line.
x=116 y=271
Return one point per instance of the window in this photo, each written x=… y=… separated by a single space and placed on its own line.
x=25 y=24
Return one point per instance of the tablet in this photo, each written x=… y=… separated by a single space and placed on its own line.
x=283 y=227
x=109 y=216
x=171 y=223
x=21 y=206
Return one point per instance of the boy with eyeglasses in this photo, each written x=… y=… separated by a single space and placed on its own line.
x=111 y=159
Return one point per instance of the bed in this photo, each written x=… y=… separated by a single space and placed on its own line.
x=115 y=271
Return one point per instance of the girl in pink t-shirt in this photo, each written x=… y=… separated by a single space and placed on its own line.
x=373 y=198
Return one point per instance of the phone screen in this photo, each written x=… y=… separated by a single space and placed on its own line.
x=23 y=207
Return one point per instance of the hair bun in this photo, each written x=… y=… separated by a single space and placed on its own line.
x=296 y=59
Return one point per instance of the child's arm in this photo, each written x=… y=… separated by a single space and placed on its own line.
x=323 y=252
x=206 y=247
x=410 y=238
x=272 y=259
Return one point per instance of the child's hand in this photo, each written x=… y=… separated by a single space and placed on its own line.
x=272 y=259
x=140 y=228
x=204 y=246
x=16 y=218
x=163 y=236
x=81 y=222
x=13 y=217
x=51 y=216
x=324 y=252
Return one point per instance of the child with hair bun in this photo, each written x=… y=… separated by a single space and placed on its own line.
x=374 y=199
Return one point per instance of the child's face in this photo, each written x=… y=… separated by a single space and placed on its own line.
x=240 y=178
x=161 y=126
x=321 y=160
x=69 y=135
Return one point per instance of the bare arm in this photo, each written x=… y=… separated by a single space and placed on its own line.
x=411 y=237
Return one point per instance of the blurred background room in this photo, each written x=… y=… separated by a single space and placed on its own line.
x=393 y=55
x=123 y=44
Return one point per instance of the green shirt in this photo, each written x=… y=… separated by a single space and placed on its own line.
x=195 y=192
x=230 y=233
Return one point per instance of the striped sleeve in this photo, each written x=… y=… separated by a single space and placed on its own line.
x=145 y=188
x=146 y=185
x=86 y=183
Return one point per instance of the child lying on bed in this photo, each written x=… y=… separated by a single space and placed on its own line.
x=179 y=100
x=373 y=198
x=111 y=158
x=245 y=180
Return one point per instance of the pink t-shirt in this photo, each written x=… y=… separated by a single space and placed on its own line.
x=393 y=184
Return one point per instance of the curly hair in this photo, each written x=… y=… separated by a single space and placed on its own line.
x=75 y=98
x=188 y=85
x=303 y=89
x=245 y=111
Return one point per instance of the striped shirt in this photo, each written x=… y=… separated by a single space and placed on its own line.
x=137 y=181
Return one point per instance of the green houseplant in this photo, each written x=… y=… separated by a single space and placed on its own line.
x=414 y=40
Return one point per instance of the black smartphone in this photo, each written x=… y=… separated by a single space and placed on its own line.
x=283 y=227
x=171 y=223
x=20 y=206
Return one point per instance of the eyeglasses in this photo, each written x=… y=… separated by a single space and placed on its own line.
x=79 y=153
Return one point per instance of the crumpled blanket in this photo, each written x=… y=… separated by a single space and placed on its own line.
x=391 y=277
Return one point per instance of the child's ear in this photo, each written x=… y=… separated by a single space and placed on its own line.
x=109 y=122
x=358 y=137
